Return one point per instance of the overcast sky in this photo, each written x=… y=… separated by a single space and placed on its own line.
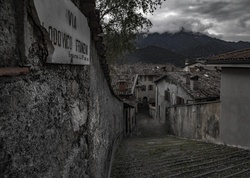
x=226 y=19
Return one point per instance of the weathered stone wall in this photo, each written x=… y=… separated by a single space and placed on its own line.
x=106 y=122
x=57 y=120
x=198 y=121
x=8 y=33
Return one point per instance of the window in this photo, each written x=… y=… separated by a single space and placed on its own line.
x=150 y=87
x=150 y=77
x=179 y=100
x=143 y=88
x=167 y=95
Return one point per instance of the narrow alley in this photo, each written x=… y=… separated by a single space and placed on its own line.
x=150 y=152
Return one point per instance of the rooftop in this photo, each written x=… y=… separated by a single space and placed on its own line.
x=208 y=83
x=117 y=78
x=128 y=73
x=143 y=69
x=234 y=57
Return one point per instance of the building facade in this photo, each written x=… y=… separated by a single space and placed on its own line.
x=146 y=92
x=183 y=88
x=235 y=97
x=144 y=88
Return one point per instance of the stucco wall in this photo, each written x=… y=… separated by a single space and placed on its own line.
x=235 y=113
x=162 y=104
x=199 y=121
x=150 y=94
x=58 y=120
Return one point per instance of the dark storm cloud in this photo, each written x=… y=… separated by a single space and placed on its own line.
x=174 y=24
x=214 y=9
x=227 y=18
x=227 y=10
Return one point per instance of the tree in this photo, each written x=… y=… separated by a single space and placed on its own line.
x=121 y=21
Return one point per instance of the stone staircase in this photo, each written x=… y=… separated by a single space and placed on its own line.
x=152 y=153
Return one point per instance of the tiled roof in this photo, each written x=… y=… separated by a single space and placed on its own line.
x=144 y=69
x=127 y=73
x=128 y=90
x=208 y=83
x=234 y=57
x=131 y=102
x=116 y=78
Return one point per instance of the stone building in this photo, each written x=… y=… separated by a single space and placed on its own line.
x=235 y=96
x=59 y=118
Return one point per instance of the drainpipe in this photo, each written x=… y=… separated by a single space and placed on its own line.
x=156 y=106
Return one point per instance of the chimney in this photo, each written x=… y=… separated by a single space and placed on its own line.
x=187 y=80
x=194 y=83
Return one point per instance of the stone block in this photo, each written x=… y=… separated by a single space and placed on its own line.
x=78 y=117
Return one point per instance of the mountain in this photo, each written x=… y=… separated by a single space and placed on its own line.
x=189 y=44
x=175 y=48
x=155 y=55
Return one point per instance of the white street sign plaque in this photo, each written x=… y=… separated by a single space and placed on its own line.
x=68 y=29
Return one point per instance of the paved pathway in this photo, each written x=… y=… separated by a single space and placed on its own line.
x=150 y=152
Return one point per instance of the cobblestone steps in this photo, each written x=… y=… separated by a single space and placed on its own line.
x=160 y=156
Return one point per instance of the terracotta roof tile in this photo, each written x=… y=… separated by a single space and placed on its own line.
x=208 y=83
x=234 y=57
x=126 y=73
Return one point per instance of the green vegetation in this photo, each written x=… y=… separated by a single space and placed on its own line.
x=122 y=20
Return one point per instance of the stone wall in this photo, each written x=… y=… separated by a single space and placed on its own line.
x=56 y=120
x=8 y=33
x=106 y=123
x=198 y=121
